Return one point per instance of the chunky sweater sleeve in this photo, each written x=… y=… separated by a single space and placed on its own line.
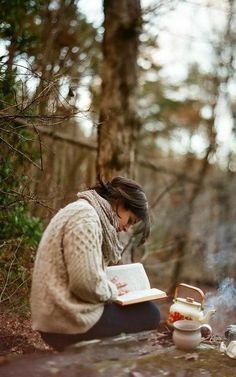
x=82 y=244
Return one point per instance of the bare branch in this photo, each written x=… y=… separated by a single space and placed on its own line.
x=14 y=292
x=20 y=153
x=22 y=197
x=68 y=139
x=179 y=175
x=9 y=270
x=164 y=192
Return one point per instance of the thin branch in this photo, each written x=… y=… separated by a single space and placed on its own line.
x=40 y=95
x=14 y=117
x=21 y=153
x=68 y=139
x=24 y=198
x=179 y=175
x=9 y=270
x=17 y=288
x=40 y=146
x=164 y=192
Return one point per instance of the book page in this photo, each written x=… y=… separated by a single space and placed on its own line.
x=132 y=274
x=140 y=296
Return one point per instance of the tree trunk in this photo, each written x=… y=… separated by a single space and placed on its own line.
x=118 y=126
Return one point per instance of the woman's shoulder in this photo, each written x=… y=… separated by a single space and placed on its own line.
x=83 y=209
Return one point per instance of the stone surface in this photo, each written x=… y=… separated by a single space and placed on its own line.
x=138 y=355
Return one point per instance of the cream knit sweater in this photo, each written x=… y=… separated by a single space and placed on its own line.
x=69 y=286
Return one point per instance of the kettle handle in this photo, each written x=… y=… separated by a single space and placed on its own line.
x=198 y=290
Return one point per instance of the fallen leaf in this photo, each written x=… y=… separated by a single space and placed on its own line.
x=192 y=356
x=54 y=370
x=134 y=373
x=188 y=356
x=3 y=360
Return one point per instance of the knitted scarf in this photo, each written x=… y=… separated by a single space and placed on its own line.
x=111 y=246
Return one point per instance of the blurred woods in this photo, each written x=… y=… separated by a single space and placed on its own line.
x=77 y=99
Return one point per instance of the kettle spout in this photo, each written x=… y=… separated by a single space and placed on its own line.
x=208 y=315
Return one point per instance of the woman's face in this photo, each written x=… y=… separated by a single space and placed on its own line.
x=126 y=218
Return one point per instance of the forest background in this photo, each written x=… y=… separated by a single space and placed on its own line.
x=125 y=93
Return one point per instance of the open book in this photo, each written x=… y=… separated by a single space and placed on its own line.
x=138 y=285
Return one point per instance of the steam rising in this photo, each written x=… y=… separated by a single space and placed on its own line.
x=224 y=301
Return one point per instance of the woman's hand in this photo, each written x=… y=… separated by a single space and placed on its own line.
x=120 y=286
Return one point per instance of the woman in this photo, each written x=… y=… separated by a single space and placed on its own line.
x=71 y=297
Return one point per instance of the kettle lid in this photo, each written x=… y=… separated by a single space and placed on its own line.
x=189 y=301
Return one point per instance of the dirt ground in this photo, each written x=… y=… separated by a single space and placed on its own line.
x=17 y=336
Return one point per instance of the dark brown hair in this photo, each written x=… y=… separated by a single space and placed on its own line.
x=131 y=196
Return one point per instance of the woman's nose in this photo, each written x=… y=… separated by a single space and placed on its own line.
x=126 y=227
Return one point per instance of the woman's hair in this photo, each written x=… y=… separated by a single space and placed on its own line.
x=130 y=195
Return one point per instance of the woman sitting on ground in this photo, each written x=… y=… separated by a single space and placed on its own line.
x=71 y=296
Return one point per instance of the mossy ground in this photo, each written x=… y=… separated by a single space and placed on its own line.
x=140 y=355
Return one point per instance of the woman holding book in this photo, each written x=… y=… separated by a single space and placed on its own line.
x=71 y=296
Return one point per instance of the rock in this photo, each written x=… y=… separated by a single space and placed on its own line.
x=136 y=355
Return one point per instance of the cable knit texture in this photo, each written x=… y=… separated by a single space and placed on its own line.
x=69 y=285
x=111 y=247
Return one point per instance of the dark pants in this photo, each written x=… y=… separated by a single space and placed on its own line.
x=114 y=321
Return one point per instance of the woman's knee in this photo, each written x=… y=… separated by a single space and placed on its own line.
x=152 y=314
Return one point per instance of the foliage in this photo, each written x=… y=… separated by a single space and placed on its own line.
x=14 y=220
x=49 y=46
x=20 y=232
